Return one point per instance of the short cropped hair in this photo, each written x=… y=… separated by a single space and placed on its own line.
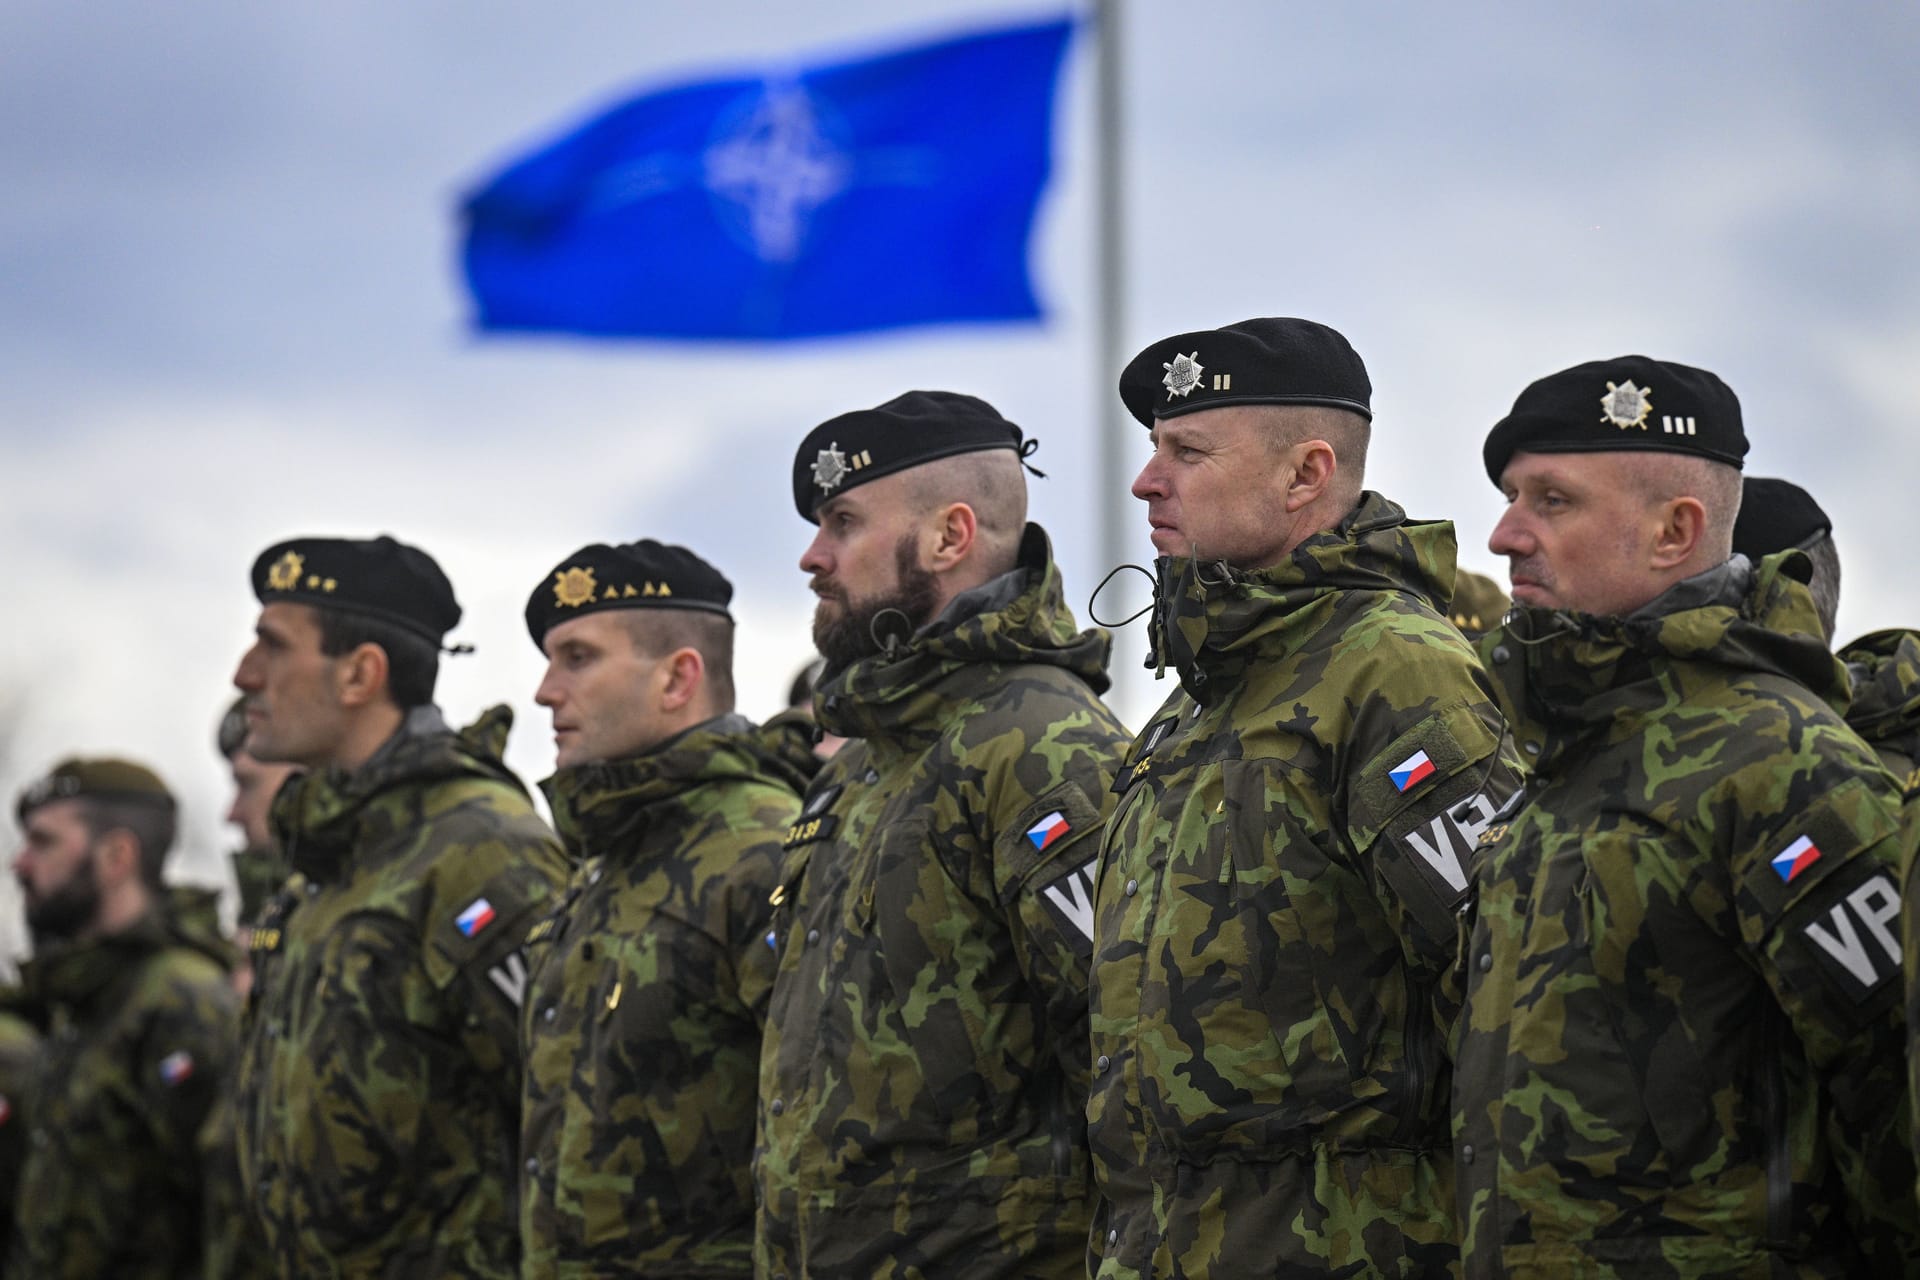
x=413 y=663
x=151 y=821
x=658 y=632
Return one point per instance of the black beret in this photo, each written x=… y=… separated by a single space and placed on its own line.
x=635 y=575
x=1775 y=515
x=920 y=426
x=1630 y=402
x=105 y=778
x=1271 y=360
x=379 y=577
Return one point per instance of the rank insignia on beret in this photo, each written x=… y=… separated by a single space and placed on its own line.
x=573 y=587
x=830 y=468
x=285 y=573
x=1627 y=405
x=1183 y=373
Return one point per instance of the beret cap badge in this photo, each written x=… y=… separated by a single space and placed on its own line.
x=830 y=468
x=284 y=575
x=573 y=587
x=1627 y=405
x=1183 y=373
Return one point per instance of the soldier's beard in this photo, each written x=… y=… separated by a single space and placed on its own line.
x=847 y=630
x=64 y=913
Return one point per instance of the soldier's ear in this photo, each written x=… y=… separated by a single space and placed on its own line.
x=1682 y=528
x=681 y=675
x=951 y=534
x=1314 y=465
x=360 y=677
x=116 y=856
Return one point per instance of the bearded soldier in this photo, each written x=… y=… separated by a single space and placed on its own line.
x=379 y=1087
x=650 y=983
x=923 y=1081
x=141 y=1033
x=1275 y=907
x=1683 y=1040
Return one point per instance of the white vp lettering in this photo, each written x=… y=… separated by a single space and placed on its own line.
x=510 y=975
x=1438 y=848
x=1073 y=895
x=1874 y=904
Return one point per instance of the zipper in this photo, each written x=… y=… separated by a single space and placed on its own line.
x=1419 y=1031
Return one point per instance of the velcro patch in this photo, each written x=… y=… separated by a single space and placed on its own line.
x=1019 y=855
x=1070 y=899
x=1134 y=767
x=808 y=830
x=474 y=917
x=1856 y=939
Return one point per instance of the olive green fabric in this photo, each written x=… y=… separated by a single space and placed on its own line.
x=380 y=1079
x=19 y=1058
x=140 y=1038
x=1478 y=603
x=642 y=1025
x=1271 y=993
x=1885 y=710
x=923 y=1079
x=1682 y=1052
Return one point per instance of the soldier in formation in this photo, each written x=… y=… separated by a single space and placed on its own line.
x=924 y=1077
x=1275 y=907
x=1684 y=1033
x=649 y=987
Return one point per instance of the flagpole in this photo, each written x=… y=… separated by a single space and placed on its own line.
x=1113 y=474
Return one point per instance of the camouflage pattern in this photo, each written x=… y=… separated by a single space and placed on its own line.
x=141 y=1035
x=379 y=1089
x=1682 y=1049
x=1885 y=670
x=1275 y=917
x=1478 y=605
x=19 y=1062
x=923 y=1080
x=257 y=875
x=649 y=991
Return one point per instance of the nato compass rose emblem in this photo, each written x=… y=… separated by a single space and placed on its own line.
x=1626 y=405
x=1183 y=374
x=830 y=468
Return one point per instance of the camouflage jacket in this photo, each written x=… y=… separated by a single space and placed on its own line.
x=1885 y=668
x=1683 y=1038
x=642 y=1031
x=141 y=1035
x=19 y=1062
x=1275 y=916
x=379 y=1089
x=923 y=1080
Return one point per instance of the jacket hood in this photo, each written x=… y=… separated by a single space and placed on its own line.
x=317 y=814
x=602 y=806
x=1563 y=676
x=77 y=974
x=1019 y=619
x=1885 y=668
x=1210 y=620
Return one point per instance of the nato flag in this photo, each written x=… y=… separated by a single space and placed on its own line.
x=893 y=190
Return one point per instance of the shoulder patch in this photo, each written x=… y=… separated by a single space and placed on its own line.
x=1433 y=750
x=1033 y=846
x=175 y=1068
x=815 y=823
x=1854 y=937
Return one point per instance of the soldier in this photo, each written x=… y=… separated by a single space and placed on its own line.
x=1274 y=913
x=1683 y=1034
x=1884 y=666
x=1478 y=603
x=379 y=1088
x=142 y=1027
x=259 y=866
x=19 y=1061
x=649 y=988
x=923 y=1081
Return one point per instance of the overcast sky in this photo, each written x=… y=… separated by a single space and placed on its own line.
x=231 y=309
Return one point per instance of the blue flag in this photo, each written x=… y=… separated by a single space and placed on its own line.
x=894 y=190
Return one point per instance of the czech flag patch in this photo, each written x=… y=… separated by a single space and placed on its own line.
x=477 y=916
x=1795 y=858
x=175 y=1067
x=1415 y=769
x=1049 y=829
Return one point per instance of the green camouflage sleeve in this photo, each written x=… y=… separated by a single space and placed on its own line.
x=1819 y=908
x=475 y=957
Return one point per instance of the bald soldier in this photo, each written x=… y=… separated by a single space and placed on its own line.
x=379 y=1087
x=649 y=982
x=1275 y=906
x=923 y=1080
x=1683 y=1040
